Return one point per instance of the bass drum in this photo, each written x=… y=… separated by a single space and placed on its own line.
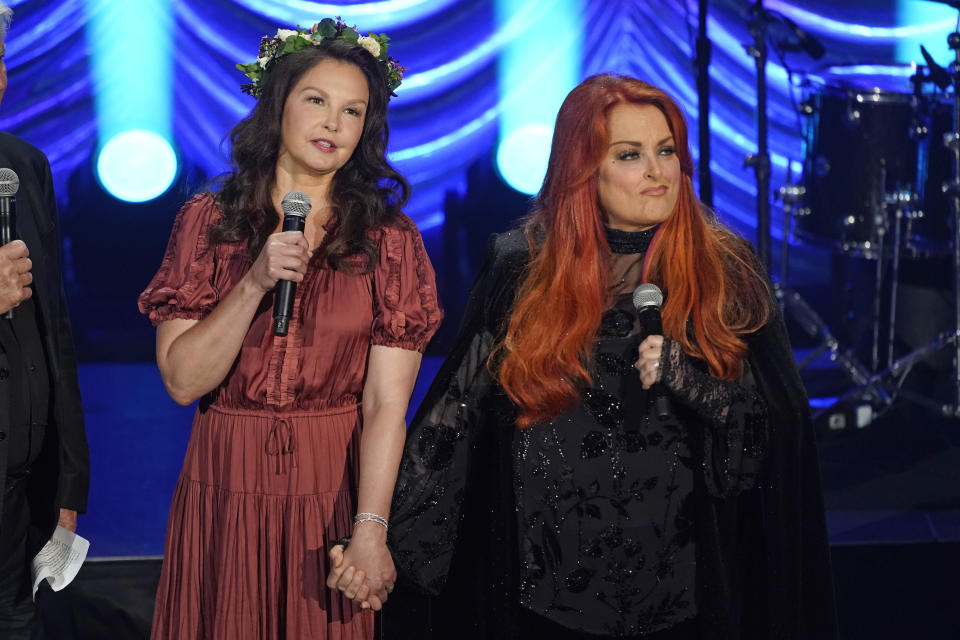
x=860 y=146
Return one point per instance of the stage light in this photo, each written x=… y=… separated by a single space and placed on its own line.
x=137 y=165
x=915 y=22
x=378 y=14
x=522 y=157
x=132 y=67
x=535 y=72
x=915 y=12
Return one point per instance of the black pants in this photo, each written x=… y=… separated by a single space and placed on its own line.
x=536 y=627
x=17 y=613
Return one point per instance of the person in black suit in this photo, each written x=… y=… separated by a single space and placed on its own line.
x=44 y=463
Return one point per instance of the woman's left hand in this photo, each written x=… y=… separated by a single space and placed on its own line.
x=364 y=572
x=648 y=361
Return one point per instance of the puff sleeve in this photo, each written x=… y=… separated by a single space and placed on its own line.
x=183 y=286
x=406 y=310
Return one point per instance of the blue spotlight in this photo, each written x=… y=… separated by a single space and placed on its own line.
x=536 y=70
x=915 y=12
x=137 y=165
x=132 y=67
x=522 y=157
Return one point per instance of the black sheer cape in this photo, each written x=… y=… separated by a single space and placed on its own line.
x=762 y=556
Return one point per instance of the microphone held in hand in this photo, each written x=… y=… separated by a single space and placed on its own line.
x=9 y=185
x=647 y=300
x=295 y=206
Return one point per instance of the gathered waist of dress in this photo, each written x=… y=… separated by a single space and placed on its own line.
x=287 y=412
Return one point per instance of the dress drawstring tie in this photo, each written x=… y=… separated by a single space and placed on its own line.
x=281 y=442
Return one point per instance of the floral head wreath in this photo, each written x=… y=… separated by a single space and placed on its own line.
x=289 y=40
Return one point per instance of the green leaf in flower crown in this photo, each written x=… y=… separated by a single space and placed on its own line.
x=350 y=35
x=294 y=43
x=327 y=28
x=383 y=40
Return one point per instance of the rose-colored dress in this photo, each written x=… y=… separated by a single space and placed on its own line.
x=271 y=470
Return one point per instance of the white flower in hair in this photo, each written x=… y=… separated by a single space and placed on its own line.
x=263 y=61
x=370 y=45
x=283 y=34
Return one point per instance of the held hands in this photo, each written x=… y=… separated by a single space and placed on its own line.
x=648 y=362
x=284 y=257
x=15 y=276
x=364 y=572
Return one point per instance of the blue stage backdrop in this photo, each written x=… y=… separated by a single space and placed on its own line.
x=82 y=71
x=447 y=112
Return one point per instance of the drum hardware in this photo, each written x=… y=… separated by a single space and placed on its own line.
x=855 y=126
x=906 y=207
x=813 y=325
x=791 y=195
x=903 y=203
x=791 y=302
x=877 y=385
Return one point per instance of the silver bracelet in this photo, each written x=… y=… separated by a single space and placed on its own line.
x=369 y=517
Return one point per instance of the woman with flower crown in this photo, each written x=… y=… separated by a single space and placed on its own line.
x=545 y=491
x=297 y=437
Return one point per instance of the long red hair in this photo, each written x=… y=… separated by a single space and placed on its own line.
x=713 y=292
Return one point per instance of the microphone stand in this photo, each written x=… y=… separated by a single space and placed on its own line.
x=791 y=301
x=704 y=48
x=760 y=161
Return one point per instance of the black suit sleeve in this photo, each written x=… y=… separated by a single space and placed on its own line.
x=67 y=410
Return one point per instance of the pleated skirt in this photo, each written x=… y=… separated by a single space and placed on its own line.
x=260 y=499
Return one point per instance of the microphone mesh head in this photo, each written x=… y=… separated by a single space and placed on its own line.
x=295 y=203
x=647 y=295
x=9 y=182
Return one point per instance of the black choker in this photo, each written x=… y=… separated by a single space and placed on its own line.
x=629 y=241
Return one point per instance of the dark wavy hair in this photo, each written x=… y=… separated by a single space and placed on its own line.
x=366 y=191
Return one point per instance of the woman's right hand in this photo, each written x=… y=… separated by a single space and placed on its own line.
x=284 y=257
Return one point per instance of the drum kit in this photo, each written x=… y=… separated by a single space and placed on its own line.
x=881 y=184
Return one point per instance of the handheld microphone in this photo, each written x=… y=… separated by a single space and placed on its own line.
x=9 y=185
x=295 y=206
x=647 y=299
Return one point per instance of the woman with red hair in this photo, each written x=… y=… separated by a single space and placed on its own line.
x=543 y=492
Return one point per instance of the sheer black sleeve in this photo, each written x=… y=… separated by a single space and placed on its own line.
x=442 y=441
x=734 y=414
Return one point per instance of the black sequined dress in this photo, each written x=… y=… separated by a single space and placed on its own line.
x=609 y=520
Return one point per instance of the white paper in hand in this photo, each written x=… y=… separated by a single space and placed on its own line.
x=59 y=560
